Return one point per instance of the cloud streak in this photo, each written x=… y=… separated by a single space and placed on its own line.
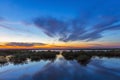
x=19 y=26
x=76 y=29
x=1 y=19
x=24 y=44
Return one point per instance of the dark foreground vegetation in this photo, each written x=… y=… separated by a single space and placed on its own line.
x=22 y=56
x=84 y=57
x=82 y=53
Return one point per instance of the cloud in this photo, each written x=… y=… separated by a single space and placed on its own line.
x=23 y=44
x=51 y=26
x=19 y=26
x=1 y=19
x=76 y=29
x=7 y=27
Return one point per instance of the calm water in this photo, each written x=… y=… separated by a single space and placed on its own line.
x=61 y=69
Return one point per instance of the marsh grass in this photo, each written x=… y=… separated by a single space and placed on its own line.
x=83 y=57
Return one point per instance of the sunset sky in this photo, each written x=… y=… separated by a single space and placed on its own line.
x=59 y=24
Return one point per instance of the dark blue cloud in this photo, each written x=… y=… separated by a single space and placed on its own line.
x=103 y=13
x=51 y=26
x=76 y=29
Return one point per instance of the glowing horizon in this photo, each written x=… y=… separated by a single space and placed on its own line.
x=23 y=45
x=59 y=24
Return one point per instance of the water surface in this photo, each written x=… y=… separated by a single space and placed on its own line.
x=61 y=69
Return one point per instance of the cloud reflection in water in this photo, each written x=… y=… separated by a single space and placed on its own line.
x=62 y=69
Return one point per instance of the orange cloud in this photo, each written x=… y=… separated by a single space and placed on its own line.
x=19 y=45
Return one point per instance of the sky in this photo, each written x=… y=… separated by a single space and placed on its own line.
x=59 y=24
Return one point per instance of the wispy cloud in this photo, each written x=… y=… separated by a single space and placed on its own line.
x=19 y=26
x=51 y=26
x=76 y=29
x=1 y=19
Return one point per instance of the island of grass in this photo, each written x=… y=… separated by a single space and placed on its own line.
x=82 y=56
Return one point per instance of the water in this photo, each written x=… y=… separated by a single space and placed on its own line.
x=61 y=69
